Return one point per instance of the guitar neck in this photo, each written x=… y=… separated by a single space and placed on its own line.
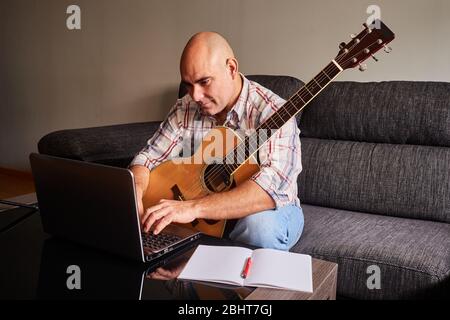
x=290 y=109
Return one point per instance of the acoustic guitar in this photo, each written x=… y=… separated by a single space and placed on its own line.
x=224 y=159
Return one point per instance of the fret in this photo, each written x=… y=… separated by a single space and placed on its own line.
x=322 y=81
x=296 y=100
x=279 y=116
x=314 y=79
x=285 y=114
x=287 y=108
x=304 y=92
x=306 y=87
x=274 y=124
x=299 y=99
x=269 y=124
x=313 y=88
x=326 y=74
x=299 y=96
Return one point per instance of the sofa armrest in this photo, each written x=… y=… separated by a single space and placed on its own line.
x=114 y=145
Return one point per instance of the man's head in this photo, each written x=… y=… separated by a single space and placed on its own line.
x=209 y=71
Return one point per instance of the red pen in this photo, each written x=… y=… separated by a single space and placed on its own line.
x=248 y=264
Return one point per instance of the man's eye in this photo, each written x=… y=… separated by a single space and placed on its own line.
x=204 y=82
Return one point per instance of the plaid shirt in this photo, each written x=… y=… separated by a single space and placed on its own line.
x=279 y=158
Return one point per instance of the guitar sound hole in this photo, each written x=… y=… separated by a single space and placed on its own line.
x=216 y=178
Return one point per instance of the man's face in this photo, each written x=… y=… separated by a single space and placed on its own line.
x=209 y=84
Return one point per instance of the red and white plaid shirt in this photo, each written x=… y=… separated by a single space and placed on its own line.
x=280 y=157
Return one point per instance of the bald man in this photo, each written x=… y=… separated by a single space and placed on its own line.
x=266 y=206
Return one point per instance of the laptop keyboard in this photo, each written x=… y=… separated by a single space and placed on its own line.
x=160 y=241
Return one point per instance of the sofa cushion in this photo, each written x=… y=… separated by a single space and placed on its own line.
x=413 y=255
x=396 y=180
x=397 y=112
x=111 y=145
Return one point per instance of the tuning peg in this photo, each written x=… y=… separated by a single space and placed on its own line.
x=369 y=30
x=387 y=49
x=342 y=45
x=374 y=58
x=355 y=38
x=362 y=67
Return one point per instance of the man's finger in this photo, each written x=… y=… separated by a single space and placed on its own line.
x=162 y=223
x=149 y=211
x=154 y=216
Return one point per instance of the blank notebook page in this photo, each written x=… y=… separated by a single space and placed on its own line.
x=221 y=264
x=275 y=268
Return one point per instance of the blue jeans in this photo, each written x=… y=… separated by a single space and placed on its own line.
x=277 y=229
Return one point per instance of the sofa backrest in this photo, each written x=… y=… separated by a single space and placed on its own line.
x=380 y=148
x=113 y=145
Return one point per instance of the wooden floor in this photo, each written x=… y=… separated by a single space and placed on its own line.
x=15 y=183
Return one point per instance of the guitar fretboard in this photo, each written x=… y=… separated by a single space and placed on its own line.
x=294 y=105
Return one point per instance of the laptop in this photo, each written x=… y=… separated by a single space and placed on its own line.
x=69 y=271
x=95 y=205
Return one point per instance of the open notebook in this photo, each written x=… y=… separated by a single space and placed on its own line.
x=269 y=268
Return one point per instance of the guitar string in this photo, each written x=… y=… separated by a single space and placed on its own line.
x=300 y=95
x=296 y=97
x=219 y=171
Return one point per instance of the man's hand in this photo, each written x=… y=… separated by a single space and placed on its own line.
x=167 y=273
x=167 y=211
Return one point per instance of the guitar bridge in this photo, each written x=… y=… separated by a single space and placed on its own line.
x=177 y=195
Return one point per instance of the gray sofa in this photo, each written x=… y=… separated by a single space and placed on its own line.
x=375 y=185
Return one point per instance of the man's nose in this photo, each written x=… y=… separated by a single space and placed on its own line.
x=197 y=94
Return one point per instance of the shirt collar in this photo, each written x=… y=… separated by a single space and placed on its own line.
x=240 y=106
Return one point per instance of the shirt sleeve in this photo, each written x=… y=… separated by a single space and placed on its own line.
x=165 y=143
x=280 y=162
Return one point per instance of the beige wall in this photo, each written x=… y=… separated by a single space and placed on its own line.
x=122 y=66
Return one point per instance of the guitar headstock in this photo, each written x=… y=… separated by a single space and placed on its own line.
x=365 y=45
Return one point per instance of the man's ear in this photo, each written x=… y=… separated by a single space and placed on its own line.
x=233 y=67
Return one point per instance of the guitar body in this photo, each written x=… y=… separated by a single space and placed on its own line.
x=197 y=176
